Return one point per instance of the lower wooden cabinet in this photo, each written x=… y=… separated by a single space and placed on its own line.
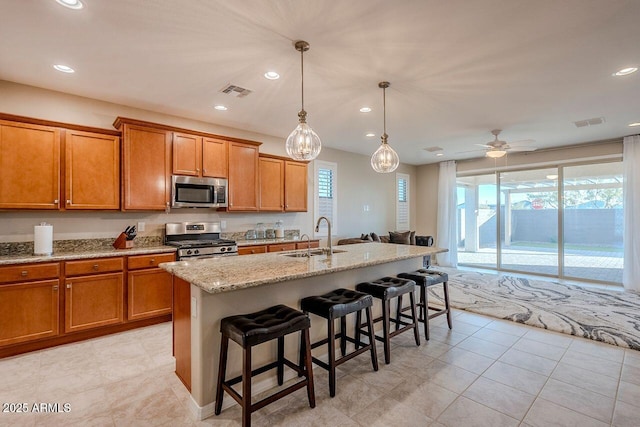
x=149 y=293
x=248 y=250
x=182 y=330
x=93 y=301
x=28 y=311
x=281 y=247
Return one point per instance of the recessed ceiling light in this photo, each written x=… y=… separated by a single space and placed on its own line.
x=271 y=75
x=634 y=124
x=370 y=135
x=71 y=4
x=64 y=68
x=626 y=71
x=365 y=110
x=439 y=154
x=220 y=108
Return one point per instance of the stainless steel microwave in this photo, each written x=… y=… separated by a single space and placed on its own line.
x=192 y=192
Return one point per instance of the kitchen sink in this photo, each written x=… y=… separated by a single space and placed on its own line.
x=314 y=252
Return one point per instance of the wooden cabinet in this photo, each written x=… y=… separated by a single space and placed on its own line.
x=281 y=247
x=29 y=166
x=182 y=330
x=249 y=250
x=215 y=158
x=243 y=177
x=312 y=244
x=283 y=184
x=199 y=156
x=92 y=170
x=146 y=164
x=29 y=309
x=149 y=287
x=96 y=300
x=271 y=184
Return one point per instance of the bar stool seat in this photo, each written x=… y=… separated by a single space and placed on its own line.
x=338 y=304
x=425 y=278
x=256 y=328
x=386 y=289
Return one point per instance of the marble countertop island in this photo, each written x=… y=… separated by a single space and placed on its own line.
x=224 y=274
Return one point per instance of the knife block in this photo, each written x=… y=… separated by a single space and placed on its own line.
x=122 y=242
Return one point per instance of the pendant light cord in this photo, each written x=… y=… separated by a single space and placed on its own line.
x=384 y=110
x=302 y=74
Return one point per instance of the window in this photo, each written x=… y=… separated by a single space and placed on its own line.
x=326 y=195
x=402 y=201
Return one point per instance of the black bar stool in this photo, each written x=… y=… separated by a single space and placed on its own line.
x=256 y=328
x=424 y=279
x=337 y=305
x=386 y=289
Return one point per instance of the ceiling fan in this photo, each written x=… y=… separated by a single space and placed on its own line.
x=498 y=148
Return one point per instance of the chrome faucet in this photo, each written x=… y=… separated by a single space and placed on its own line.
x=329 y=250
x=308 y=245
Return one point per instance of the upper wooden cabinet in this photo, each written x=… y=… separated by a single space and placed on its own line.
x=92 y=170
x=199 y=156
x=29 y=166
x=146 y=167
x=283 y=184
x=243 y=177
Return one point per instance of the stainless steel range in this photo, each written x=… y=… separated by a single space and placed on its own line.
x=198 y=240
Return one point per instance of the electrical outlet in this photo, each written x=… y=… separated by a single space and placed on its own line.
x=141 y=226
x=223 y=225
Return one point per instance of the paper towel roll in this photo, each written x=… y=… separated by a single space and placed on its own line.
x=43 y=239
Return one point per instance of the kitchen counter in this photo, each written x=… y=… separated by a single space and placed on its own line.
x=84 y=254
x=254 y=242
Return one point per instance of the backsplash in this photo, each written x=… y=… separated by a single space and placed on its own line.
x=65 y=246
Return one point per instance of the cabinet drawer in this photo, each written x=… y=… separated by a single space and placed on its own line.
x=248 y=250
x=27 y=272
x=282 y=247
x=312 y=244
x=148 y=261
x=91 y=266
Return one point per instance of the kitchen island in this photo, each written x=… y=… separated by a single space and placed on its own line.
x=205 y=291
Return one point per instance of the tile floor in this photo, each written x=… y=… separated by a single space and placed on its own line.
x=486 y=372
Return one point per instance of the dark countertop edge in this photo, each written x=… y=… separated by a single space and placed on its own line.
x=65 y=256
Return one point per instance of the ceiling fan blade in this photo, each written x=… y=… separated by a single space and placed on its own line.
x=522 y=149
x=484 y=145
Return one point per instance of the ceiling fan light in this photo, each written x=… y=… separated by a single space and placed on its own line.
x=385 y=159
x=496 y=154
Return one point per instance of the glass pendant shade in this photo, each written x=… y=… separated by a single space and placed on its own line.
x=385 y=159
x=303 y=143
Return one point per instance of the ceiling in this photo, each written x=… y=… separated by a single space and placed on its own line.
x=457 y=68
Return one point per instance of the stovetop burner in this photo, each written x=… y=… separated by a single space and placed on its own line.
x=200 y=243
x=198 y=240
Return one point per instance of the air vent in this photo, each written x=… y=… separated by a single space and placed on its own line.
x=433 y=149
x=589 y=122
x=237 y=91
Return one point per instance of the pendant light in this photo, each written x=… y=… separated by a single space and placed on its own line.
x=303 y=143
x=385 y=159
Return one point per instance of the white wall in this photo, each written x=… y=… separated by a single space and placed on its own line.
x=357 y=183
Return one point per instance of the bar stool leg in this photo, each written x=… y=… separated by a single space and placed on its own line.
x=331 y=333
x=398 y=311
x=306 y=344
x=372 y=339
x=423 y=312
x=358 y=326
x=446 y=302
x=280 y=360
x=222 y=367
x=416 y=332
x=343 y=335
x=246 y=387
x=386 y=326
x=426 y=313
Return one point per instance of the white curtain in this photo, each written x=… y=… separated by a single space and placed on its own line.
x=447 y=215
x=631 y=167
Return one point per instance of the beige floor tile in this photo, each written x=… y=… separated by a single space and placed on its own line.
x=482 y=347
x=448 y=376
x=547 y=414
x=468 y=360
x=17 y=420
x=629 y=393
x=580 y=400
x=388 y=411
x=353 y=395
x=466 y=412
x=474 y=319
x=625 y=415
x=496 y=337
x=116 y=370
x=549 y=337
x=428 y=398
x=460 y=327
x=500 y=397
x=528 y=361
x=540 y=349
x=434 y=349
x=594 y=348
x=632 y=358
x=156 y=409
x=445 y=335
x=596 y=364
x=508 y=327
x=518 y=378
x=78 y=381
x=83 y=406
x=587 y=379
x=630 y=374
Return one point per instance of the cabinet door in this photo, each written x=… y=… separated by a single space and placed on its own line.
x=249 y=250
x=146 y=168
x=271 y=184
x=214 y=158
x=93 y=301
x=29 y=166
x=182 y=330
x=295 y=187
x=92 y=170
x=243 y=177
x=28 y=311
x=150 y=293
x=187 y=153
x=281 y=247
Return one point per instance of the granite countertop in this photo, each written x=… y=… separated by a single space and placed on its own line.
x=253 y=242
x=84 y=254
x=224 y=274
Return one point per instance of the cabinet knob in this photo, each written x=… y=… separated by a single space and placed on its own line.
x=253 y=251
x=55 y=288
x=96 y=267
x=56 y=201
x=68 y=201
x=68 y=285
x=24 y=273
x=153 y=260
x=197 y=170
x=204 y=170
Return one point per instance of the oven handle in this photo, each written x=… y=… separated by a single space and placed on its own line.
x=199 y=257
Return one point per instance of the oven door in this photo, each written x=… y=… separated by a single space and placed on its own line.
x=203 y=257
